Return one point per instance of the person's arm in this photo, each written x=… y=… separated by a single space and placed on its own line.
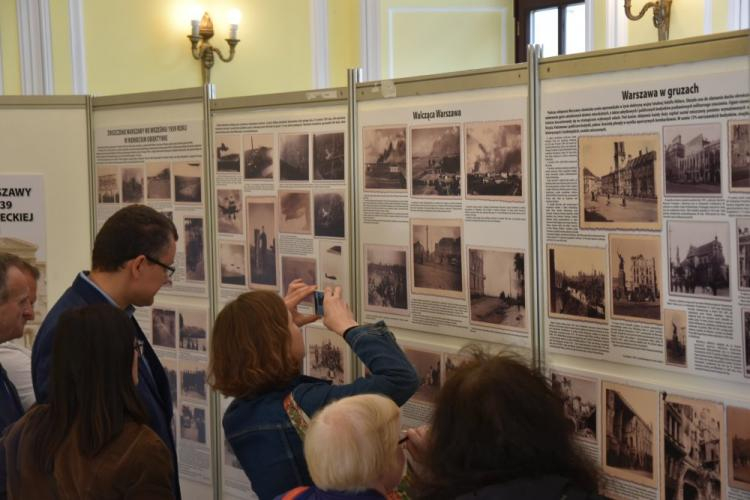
x=17 y=362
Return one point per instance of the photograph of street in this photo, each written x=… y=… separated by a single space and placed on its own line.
x=384 y=151
x=692 y=159
x=294 y=158
x=187 y=182
x=580 y=402
x=635 y=267
x=675 y=337
x=577 y=278
x=158 y=180
x=738 y=435
x=436 y=257
x=258 y=156
x=739 y=155
x=497 y=293
x=386 y=278
x=193 y=423
x=494 y=165
x=261 y=240
x=699 y=258
x=193 y=381
x=427 y=366
x=132 y=185
x=435 y=161
x=228 y=152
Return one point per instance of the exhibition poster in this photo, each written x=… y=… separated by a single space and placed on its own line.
x=235 y=482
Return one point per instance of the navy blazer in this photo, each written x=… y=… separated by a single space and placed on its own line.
x=10 y=404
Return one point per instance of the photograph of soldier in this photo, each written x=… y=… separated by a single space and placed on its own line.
x=194 y=262
x=427 y=366
x=384 y=151
x=738 y=434
x=294 y=212
x=436 y=161
x=699 y=258
x=298 y=267
x=294 y=158
x=328 y=356
x=577 y=279
x=261 y=239
x=193 y=423
x=675 y=337
x=693 y=452
x=635 y=267
x=258 y=156
x=629 y=424
x=580 y=402
x=163 y=327
x=232 y=263
x=743 y=252
x=330 y=214
x=108 y=184
x=386 y=278
x=739 y=155
x=328 y=156
x=227 y=152
x=158 y=180
x=187 y=182
x=193 y=325
x=436 y=254
x=692 y=159
x=619 y=179
x=494 y=162
x=332 y=265
x=132 y=185
x=192 y=381
x=745 y=320
x=170 y=370
x=496 y=287
x=230 y=210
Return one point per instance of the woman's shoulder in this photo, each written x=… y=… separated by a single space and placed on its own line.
x=140 y=438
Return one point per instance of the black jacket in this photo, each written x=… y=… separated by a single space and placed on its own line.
x=540 y=488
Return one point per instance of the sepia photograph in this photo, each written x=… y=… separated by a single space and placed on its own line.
x=619 y=180
x=187 y=182
x=132 y=184
x=746 y=340
x=108 y=184
x=158 y=180
x=692 y=159
x=193 y=423
x=328 y=356
x=258 y=151
x=298 y=267
x=693 y=452
x=330 y=214
x=577 y=279
x=436 y=256
x=675 y=337
x=194 y=261
x=739 y=155
x=699 y=259
x=635 y=270
x=333 y=265
x=427 y=366
x=170 y=370
x=630 y=420
x=294 y=157
x=386 y=279
x=384 y=157
x=228 y=152
x=232 y=263
x=328 y=156
x=496 y=287
x=163 y=327
x=494 y=161
x=230 y=210
x=743 y=252
x=261 y=239
x=436 y=161
x=738 y=435
x=193 y=324
x=580 y=401
x=294 y=212
x=193 y=381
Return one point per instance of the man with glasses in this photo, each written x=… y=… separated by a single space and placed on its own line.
x=133 y=258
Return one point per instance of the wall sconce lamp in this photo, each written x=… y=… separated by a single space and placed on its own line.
x=661 y=15
x=204 y=52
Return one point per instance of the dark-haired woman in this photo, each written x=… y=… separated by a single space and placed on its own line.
x=91 y=441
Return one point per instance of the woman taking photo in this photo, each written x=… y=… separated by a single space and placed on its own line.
x=256 y=356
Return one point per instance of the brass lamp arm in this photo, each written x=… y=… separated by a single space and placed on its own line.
x=630 y=15
x=232 y=44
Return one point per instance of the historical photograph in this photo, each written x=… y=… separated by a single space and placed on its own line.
x=192 y=381
x=692 y=159
x=193 y=325
x=108 y=185
x=496 y=287
x=258 y=150
x=163 y=327
x=132 y=185
x=227 y=152
x=699 y=258
x=187 y=182
x=330 y=214
x=294 y=158
x=494 y=164
x=333 y=265
x=194 y=261
x=427 y=366
x=635 y=270
x=158 y=181
x=232 y=263
x=693 y=448
x=630 y=421
x=230 y=210
x=298 y=267
x=384 y=152
x=453 y=362
x=170 y=370
x=619 y=181
x=738 y=434
x=577 y=279
x=328 y=156
x=436 y=254
x=193 y=423
x=580 y=402
x=294 y=212
x=328 y=356
x=743 y=252
x=436 y=161
x=261 y=239
x=739 y=155
x=675 y=337
x=745 y=320
x=386 y=278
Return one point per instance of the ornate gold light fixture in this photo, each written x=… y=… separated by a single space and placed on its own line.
x=661 y=15
x=204 y=52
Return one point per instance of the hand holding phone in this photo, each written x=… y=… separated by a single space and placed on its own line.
x=318 y=300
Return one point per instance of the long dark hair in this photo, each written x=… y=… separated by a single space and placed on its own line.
x=497 y=420
x=91 y=383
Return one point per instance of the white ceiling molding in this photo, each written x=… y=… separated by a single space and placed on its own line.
x=617 y=25
x=369 y=44
x=708 y=17
x=35 y=47
x=77 y=47
x=589 y=25
x=319 y=43
x=738 y=14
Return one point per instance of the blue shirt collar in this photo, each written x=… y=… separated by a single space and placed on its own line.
x=129 y=310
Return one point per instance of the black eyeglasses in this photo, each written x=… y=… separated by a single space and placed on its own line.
x=138 y=346
x=170 y=270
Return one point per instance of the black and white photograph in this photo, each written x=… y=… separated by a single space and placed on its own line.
x=497 y=293
x=294 y=157
x=577 y=280
x=228 y=152
x=193 y=423
x=163 y=328
x=295 y=215
x=194 y=259
x=298 y=267
x=635 y=270
x=738 y=435
x=333 y=265
x=580 y=402
x=745 y=321
x=743 y=253
x=330 y=214
x=258 y=150
x=630 y=426
x=229 y=203
x=232 y=263
x=261 y=240
x=436 y=257
x=384 y=150
x=170 y=370
x=193 y=381
x=328 y=156
x=427 y=366
x=328 y=356
x=693 y=452
x=187 y=182
x=132 y=184
x=619 y=178
x=436 y=161
x=108 y=184
x=692 y=159
x=193 y=325
x=158 y=180
x=675 y=337
x=739 y=155
x=386 y=278
x=699 y=259
x=494 y=161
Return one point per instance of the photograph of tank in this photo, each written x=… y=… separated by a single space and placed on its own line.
x=230 y=210
x=258 y=154
x=739 y=155
x=193 y=325
x=738 y=435
x=675 y=337
x=384 y=150
x=158 y=180
x=228 y=148
x=328 y=156
x=132 y=185
x=743 y=252
x=328 y=356
x=293 y=268
x=187 y=182
x=386 y=278
x=635 y=267
x=436 y=161
x=333 y=265
x=163 y=328
x=580 y=402
x=193 y=381
x=261 y=240
x=330 y=214
x=692 y=159
x=232 y=263
x=294 y=212
x=436 y=257
x=497 y=293
x=577 y=278
x=108 y=184
x=494 y=160
x=427 y=366
x=699 y=258
x=193 y=423
x=194 y=260
x=294 y=157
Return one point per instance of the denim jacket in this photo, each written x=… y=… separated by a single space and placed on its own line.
x=264 y=439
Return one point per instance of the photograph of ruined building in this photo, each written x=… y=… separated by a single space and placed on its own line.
x=635 y=265
x=580 y=402
x=739 y=155
x=496 y=287
x=494 y=161
x=692 y=159
x=577 y=281
x=435 y=161
x=436 y=254
x=697 y=259
x=384 y=157
x=675 y=337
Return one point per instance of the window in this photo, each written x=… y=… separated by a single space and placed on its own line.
x=558 y=25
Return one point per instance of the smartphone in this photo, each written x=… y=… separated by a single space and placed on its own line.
x=318 y=299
